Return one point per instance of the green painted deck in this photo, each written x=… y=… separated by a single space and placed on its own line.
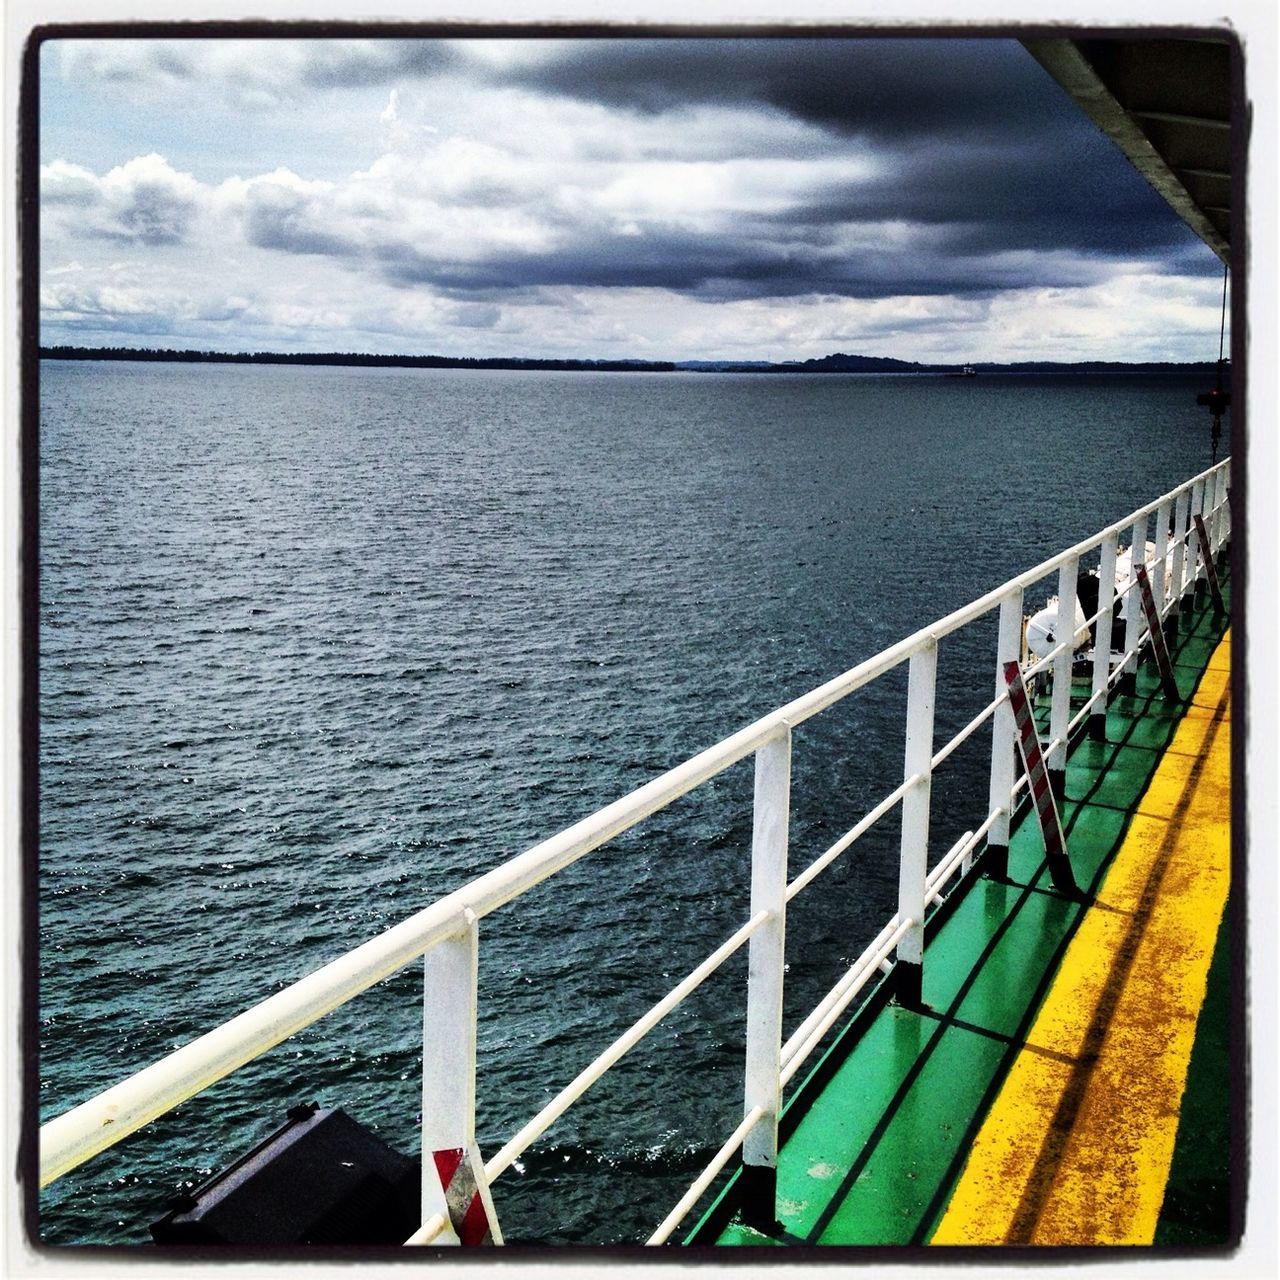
x=881 y=1129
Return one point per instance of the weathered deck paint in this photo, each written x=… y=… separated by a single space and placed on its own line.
x=1078 y=1146
x=880 y=1131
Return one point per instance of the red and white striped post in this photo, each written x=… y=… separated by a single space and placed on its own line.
x=1210 y=569
x=1055 y=845
x=1161 y=650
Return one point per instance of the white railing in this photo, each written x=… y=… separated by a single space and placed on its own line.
x=446 y=933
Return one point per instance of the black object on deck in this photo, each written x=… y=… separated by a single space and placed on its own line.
x=321 y=1179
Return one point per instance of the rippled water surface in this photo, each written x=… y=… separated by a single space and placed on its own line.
x=319 y=645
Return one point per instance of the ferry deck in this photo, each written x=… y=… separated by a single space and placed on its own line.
x=1066 y=1079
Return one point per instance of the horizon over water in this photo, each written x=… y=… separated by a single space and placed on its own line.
x=321 y=644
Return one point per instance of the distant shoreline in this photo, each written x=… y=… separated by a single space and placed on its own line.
x=838 y=363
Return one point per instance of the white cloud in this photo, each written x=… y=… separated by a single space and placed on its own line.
x=145 y=201
x=252 y=75
x=1138 y=315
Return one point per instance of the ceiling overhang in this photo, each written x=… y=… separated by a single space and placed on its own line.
x=1166 y=103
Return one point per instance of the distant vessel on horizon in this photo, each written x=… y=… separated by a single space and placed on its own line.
x=967 y=372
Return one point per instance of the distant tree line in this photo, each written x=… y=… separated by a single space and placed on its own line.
x=356 y=358
x=837 y=363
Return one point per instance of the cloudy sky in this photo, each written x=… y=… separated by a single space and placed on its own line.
x=659 y=199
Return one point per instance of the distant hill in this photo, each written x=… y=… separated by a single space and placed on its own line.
x=841 y=363
x=838 y=362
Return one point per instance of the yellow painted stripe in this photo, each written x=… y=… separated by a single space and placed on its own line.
x=1077 y=1147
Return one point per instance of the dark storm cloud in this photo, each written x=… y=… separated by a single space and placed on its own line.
x=352 y=64
x=889 y=89
x=986 y=200
x=939 y=220
x=731 y=267
x=974 y=145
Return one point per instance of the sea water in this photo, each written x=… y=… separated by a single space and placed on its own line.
x=318 y=645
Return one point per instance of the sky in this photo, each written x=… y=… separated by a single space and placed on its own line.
x=741 y=198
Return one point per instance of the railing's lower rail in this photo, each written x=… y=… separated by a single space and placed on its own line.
x=446 y=932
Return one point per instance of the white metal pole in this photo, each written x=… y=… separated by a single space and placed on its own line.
x=1219 y=511
x=1181 y=523
x=1158 y=584
x=1211 y=512
x=450 y=975
x=1102 y=638
x=766 y=963
x=1003 y=741
x=1226 y=502
x=913 y=863
x=1060 y=707
x=1133 y=608
x=1196 y=568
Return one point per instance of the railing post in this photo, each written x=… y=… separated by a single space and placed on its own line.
x=1159 y=585
x=1197 y=582
x=449 y=1080
x=1219 y=529
x=1181 y=525
x=1226 y=505
x=1060 y=706
x=1102 y=638
x=1128 y=682
x=1193 y=546
x=1004 y=743
x=1211 y=513
x=766 y=961
x=913 y=863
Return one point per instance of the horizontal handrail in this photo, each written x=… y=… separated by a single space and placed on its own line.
x=73 y=1137
x=429 y=1230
